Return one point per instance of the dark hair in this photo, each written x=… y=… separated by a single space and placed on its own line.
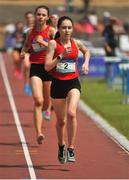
x=28 y=12
x=57 y=35
x=43 y=7
x=49 y=21
x=61 y=19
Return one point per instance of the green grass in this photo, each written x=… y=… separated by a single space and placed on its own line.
x=107 y=103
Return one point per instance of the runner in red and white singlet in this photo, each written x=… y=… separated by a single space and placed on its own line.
x=40 y=80
x=61 y=61
x=38 y=50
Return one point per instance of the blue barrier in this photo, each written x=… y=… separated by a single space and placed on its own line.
x=124 y=70
x=112 y=69
x=97 y=66
x=107 y=67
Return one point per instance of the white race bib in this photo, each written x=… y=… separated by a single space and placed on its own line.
x=66 y=67
x=37 y=47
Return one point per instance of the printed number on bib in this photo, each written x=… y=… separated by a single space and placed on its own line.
x=65 y=67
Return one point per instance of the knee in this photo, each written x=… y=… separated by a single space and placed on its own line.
x=71 y=113
x=27 y=66
x=38 y=101
x=61 y=122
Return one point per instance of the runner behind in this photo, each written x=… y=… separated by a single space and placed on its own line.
x=17 y=41
x=37 y=42
x=29 y=23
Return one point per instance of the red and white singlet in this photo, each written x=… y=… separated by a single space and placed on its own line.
x=37 y=51
x=66 y=69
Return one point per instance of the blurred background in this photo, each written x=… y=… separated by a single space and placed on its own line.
x=13 y=10
x=89 y=15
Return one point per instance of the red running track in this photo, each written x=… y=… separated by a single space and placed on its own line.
x=97 y=156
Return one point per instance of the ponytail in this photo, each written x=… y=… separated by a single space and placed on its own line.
x=57 y=35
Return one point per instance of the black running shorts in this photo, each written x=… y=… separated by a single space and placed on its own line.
x=60 y=88
x=39 y=71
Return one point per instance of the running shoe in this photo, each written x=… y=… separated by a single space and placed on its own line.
x=40 y=139
x=46 y=115
x=70 y=155
x=62 y=154
x=27 y=90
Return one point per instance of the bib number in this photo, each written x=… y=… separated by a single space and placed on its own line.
x=65 y=67
x=37 y=47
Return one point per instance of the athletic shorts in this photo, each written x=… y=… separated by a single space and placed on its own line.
x=60 y=88
x=18 y=49
x=39 y=71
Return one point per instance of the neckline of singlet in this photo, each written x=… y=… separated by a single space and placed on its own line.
x=47 y=26
x=71 y=41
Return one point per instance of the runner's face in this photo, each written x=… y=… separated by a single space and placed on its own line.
x=30 y=19
x=66 y=29
x=41 y=16
x=54 y=19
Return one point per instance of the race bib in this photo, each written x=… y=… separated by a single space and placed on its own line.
x=37 y=47
x=66 y=67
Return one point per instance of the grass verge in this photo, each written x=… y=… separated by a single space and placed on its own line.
x=107 y=103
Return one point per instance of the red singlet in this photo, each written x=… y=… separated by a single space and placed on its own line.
x=37 y=51
x=66 y=69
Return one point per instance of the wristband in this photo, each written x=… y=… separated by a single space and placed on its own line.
x=59 y=58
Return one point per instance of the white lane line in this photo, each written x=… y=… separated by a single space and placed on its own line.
x=108 y=129
x=16 y=119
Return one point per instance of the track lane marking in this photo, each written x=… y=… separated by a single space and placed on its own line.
x=16 y=119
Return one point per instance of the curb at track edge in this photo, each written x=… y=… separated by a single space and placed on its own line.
x=110 y=131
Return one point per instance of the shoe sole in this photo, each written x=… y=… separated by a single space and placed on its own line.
x=72 y=161
x=47 y=119
x=62 y=161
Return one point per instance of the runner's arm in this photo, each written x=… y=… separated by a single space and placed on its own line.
x=86 y=54
x=40 y=40
x=50 y=63
x=26 y=47
x=52 y=32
